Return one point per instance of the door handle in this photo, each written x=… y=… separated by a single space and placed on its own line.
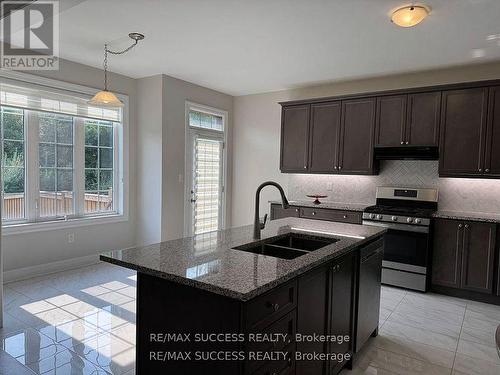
x=192 y=200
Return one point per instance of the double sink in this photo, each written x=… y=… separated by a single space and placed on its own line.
x=288 y=246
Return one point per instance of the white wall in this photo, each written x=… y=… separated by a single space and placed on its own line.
x=161 y=153
x=37 y=248
x=149 y=156
x=175 y=94
x=256 y=128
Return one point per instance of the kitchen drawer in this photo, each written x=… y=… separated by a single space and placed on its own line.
x=278 y=212
x=286 y=325
x=280 y=367
x=331 y=215
x=264 y=310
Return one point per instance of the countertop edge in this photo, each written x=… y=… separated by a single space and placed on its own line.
x=470 y=216
x=242 y=297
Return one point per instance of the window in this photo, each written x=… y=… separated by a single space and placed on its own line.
x=13 y=163
x=99 y=153
x=61 y=158
x=55 y=147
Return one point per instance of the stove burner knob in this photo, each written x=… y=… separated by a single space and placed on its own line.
x=418 y=221
x=372 y=216
x=410 y=220
x=394 y=218
x=380 y=217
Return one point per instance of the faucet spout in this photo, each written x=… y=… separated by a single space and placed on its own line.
x=284 y=203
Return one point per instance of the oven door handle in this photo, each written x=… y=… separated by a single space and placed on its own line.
x=401 y=227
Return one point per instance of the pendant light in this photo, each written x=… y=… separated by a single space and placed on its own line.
x=106 y=98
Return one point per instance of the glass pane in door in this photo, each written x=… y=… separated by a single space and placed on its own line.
x=207 y=185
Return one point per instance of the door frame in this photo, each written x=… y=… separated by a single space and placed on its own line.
x=188 y=159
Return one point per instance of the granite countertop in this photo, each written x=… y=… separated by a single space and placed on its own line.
x=327 y=204
x=209 y=262
x=471 y=216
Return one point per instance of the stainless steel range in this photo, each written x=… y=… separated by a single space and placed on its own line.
x=406 y=213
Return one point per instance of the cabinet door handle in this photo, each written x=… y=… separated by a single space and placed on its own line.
x=466 y=226
x=305 y=166
x=460 y=225
x=340 y=167
x=486 y=170
x=335 y=167
x=407 y=142
x=480 y=169
x=402 y=143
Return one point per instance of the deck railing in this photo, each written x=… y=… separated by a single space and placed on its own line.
x=51 y=204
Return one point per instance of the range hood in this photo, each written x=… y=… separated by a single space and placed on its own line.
x=407 y=153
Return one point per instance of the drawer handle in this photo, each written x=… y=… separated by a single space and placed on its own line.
x=296 y=210
x=274 y=306
x=345 y=216
x=313 y=213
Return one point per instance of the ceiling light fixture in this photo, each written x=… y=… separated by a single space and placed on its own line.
x=106 y=98
x=409 y=16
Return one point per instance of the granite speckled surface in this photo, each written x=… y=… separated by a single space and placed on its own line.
x=326 y=204
x=471 y=216
x=209 y=261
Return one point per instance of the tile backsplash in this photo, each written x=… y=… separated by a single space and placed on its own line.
x=455 y=194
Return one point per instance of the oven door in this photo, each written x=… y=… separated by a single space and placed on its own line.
x=409 y=248
x=406 y=246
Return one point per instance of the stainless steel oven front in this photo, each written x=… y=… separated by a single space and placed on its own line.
x=406 y=254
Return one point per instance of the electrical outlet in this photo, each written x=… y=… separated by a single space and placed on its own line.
x=71 y=237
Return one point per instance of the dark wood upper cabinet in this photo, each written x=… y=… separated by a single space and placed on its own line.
x=295 y=138
x=350 y=134
x=492 y=160
x=391 y=120
x=422 y=124
x=356 y=139
x=478 y=257
x=463 y=132
x=324 y=139
x=446 y=259
x=464 y=255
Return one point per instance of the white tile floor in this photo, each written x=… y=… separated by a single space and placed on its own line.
x=83 y=322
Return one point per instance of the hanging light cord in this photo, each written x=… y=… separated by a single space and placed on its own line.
x=106 y=51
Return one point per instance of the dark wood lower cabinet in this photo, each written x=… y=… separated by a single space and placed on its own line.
x=446 y=260
x=341 y=312
x=311 y=317
x=464 y=255
x=328 y=214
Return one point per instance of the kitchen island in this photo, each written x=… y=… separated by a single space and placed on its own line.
x=273 y=306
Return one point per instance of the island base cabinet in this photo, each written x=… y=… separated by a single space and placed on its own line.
x=172 y=317
x=165 y=307
x=342 y=278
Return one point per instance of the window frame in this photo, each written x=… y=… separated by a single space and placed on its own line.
x=121 y=166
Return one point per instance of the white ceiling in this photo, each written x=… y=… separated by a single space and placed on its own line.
x=250 y=46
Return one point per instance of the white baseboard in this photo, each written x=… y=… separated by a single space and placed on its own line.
x=48 y=268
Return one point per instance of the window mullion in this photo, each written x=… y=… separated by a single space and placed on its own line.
x=32 y=167
x=79 y=166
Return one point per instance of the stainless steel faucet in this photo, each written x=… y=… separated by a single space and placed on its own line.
x=257 y=225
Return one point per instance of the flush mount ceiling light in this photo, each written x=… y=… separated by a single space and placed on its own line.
x=409 y=16
x=106 y=98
